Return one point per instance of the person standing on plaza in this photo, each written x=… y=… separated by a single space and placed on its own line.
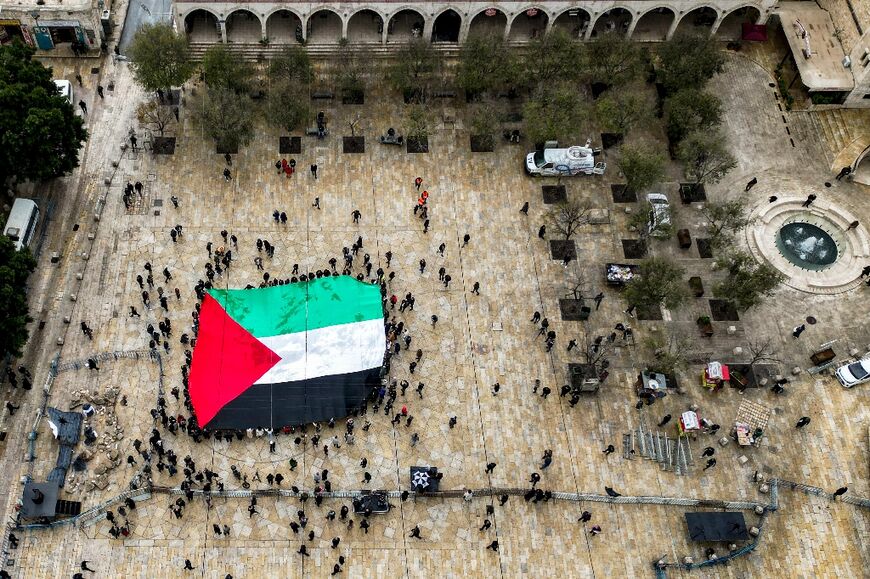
x=418 y=182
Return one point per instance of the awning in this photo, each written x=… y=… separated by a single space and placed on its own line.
x=754 y=32
x=818 y=54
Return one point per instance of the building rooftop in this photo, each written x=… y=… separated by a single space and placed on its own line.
x=817 y=52
x=49 y=9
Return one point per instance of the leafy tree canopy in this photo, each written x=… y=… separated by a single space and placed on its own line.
x=691 y=110
x=747 y=282
x=227 y=117
x=414 y=67
x=660 y=282
x=705 y=156
x=485 y=64
x=287 y=104
x=15 y=267
x=225 y=69
x=642 y=167
x=554 y=112
x=612 y=60
x=622 y=109
x=160 y=58
x=40 y=134
x=293 y=64
x=688 y=61
x=553 y=57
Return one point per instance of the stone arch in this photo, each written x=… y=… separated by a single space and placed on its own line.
x=202 y=25
x=654 y=24
x=324 y=26
x=365 y=25
x=243 y=26
x=284 y=26
x=524 y=27
x=616 y=20
x=447 y=25
x=575 y=21
x=731 y=24
x=404 y=24
x=700 y=21
x=482 y=23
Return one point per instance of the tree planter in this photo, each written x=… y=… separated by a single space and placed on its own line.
x=354 y=144
x=706 y=326
x=554 y=194
x=562 y=248
x=609 y=140
x=621 y=194
x=697 y=286
x=599 y=88
x=353 y=97
x=573 y=310
x=705 y=248
x=649 y=313
x=417 y=144
x=163 y=146
x=482 y=144
x=634 y=248
x=692 y=192
x=290 y=145
x=413 y=96
x=724 y=311
x=221 y=150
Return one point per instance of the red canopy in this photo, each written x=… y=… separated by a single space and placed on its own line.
x=754 y=32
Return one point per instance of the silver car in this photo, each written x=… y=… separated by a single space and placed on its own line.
x=855 y=373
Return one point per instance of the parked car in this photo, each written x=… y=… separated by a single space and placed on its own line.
x=857 y=372
x=64 y=88
x=555 y=162
x=659 y=224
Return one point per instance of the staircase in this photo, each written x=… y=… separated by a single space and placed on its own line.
x=835 y=128
x=254 y=51
x=672 y=454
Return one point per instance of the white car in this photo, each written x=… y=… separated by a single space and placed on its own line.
x=575 y=160
x=64 y=88
x=855 y=373
x=659 y=215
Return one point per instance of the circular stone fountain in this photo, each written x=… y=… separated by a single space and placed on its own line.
x=813 y=247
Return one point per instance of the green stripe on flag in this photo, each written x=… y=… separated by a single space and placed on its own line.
x=296 y=307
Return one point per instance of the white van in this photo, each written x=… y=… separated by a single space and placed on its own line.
x=64 y=88
x=659 y=224
x=563 y=162
x=21 y=225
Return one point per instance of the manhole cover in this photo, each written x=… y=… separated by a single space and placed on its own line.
x=811 y=320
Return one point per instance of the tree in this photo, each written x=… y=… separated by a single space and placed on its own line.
x=293 y=65
x=579 y=287
x=227 y=117
x=705 y=157
x=15 y=268
x=569 y=216
x=725 y=219
x=619 y=110
x=418 y=120
x=688 y=61
x=691 y=110
x=413 y=68
x=485 y=64
x=613 y=60
x=659 y=282
x=642 y=220
x=153 y=113
x=287 y=104
x=351 y=79
x=40 y=134
x=485 y=121
x=669 y=353
x=641 y=167
x=747 y=282
x=553 y=113
x=222 y=68
x=762 y=350
x=160 y=58
x=552 y=57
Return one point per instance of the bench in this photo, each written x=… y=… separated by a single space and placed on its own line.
x=684 y=239
x=322 y=95
x=313 y=132
x=444 y=94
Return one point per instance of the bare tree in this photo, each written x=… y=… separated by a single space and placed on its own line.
x=154 y=114
x=669 y=353
x=352 y=123
x=569 y=216
x=762 y=350
x=578 y=287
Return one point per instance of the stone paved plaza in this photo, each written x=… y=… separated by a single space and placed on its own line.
x=478 y=340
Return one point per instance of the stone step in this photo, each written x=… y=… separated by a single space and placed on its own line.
x=255 y=51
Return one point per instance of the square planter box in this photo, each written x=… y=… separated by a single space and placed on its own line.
x=163 y=146
x=573 y=310
x=634 y=248
x=609 y=140
x=692 y=193
x=353 y=97
x=417 y=145
x=697 y=286
x=482 y=143
x=224 y=150
x=652 y=313
x=561 y=248
x=621 y=194
x=554 y=194
x=705 y=248
x=723 y=311
x=354 y=144
x=290 y=145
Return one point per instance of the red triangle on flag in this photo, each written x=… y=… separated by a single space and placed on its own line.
x=227 y=360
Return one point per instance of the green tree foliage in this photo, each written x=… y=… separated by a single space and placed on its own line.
x=485 y=120
x=222 y=68
x=287 y=104
x=485 y=64
x=293 y=64
x=554 y=112
x=691 y=110
x=725 y=219
x=160 y=58
x=642 y=167
x=620 y=110
x=747 y=282
x=613 y=61
x=15 y=267
x=418 y=121
x=553 y=57
x=227 y=117
x=40 y=134
x=688 y=61
x=660 y=282
x=705 y=157
x=351 y=78
x=414 y=67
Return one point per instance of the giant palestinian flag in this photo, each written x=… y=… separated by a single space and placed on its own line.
x=287 y=354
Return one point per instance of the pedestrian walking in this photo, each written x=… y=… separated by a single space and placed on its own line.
x=585 y=517
x=630 y=310
x=609 y=450
x=844 y=172
x=710 y=463
x=465 y=239
x=772 y=198
x=83 y=106
x=313 y=169
x=595 y=530
x=796 y=333
x=803 y=421
x=84 y=567
x=837 y=493
x=810 y=198
x=174 y=200
x=188 y=566
x=665 y=420
x=422 y=265
x=572 y=344
x=486 y=524
x=598 y=299
x=441 y=249
x=227 y=174
x=709 y=451
x=542 y=231
x=853 y=225
x=752 y=182
x=356 y=215
x=229 y=159
x=525 y=208
x=475 y=289
x=415 y=532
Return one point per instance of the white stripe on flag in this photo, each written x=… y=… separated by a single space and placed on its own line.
x=326 y=351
